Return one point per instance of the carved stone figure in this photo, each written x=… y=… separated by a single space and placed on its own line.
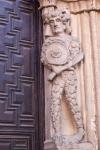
x=60 y=54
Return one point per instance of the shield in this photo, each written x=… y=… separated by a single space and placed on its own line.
x=55 y=52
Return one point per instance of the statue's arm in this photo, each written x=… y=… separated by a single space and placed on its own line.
x=70 y=66
x=76 y=56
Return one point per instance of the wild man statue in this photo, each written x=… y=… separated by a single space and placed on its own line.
x=61 y=53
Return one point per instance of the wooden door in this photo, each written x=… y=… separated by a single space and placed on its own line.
x=20 y=76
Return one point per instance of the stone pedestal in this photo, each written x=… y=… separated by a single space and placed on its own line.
x=49 y=145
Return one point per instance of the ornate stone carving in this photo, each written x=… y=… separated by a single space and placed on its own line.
x=54 y=52
x=60 y=54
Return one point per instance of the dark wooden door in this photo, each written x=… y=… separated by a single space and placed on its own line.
x=20 y=76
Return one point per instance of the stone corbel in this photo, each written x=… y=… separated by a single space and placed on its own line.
x=47 y=3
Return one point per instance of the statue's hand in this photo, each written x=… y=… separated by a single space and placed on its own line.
x=57 y=69
x=51 y=76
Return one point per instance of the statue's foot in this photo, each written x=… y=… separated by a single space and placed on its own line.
x=76 y=138
x=58 y=138
x=66 y=140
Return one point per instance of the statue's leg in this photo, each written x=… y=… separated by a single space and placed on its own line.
x=56 y=97
x=71 y=98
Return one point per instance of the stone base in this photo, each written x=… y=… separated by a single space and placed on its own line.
x=49 y=145
x=79 y=146
x=85 y=146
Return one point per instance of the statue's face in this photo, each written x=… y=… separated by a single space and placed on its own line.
x=57 y=25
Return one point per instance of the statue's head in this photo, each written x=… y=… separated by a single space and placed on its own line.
x=60 y=20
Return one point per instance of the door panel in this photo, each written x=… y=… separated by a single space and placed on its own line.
x=19 y=110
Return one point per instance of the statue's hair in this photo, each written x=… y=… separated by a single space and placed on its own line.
x=64 y=15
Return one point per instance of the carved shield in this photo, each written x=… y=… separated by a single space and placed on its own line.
x=55 y=52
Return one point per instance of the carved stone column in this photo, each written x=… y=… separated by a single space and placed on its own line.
x=83 y=135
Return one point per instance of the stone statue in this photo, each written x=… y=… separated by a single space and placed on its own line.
x=60 y=54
